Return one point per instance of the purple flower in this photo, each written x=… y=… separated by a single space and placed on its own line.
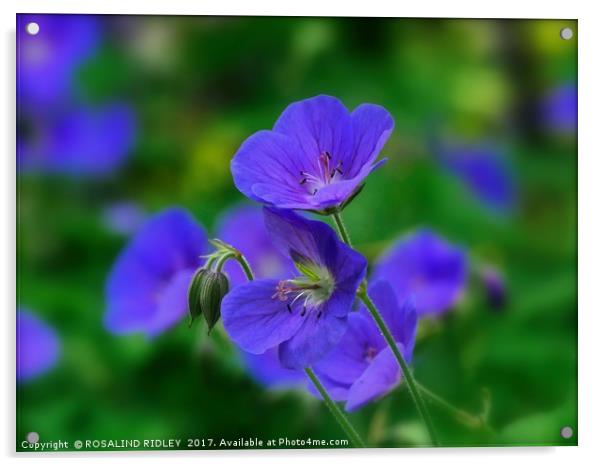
x=362 y=367
x=47 y=61
x=316 y=156
x=123 y=218
x=79 y=141
x=266 y=369
x=559 y=109
x=38 y=347
x=148 y=286
x=244 y=228
x=305 y=316
x=485 y=172
x=426 y=266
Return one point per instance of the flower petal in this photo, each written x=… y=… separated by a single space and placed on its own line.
x=316 y=241
x=244 y=228
x=372 y=126
x=38 y=347
x=172 y=304
x=256 y=321
x=266 y=369
x=347 y=361
x=315 y=338
x=336 y=391
x=381 y=376
x=319 y=124
x=428 y=267
x=292 y=233
x=168 y=243
x=269 y=158
x=402 y=320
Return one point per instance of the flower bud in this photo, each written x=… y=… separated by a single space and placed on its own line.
x=495 y=288
x=205 y=294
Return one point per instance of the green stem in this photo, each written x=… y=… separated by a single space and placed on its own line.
x=342 y=230
x=209 y=263
x=222 y=260
x=335 y=410
x=407 y=373
x=469 y=420
x=244 y=265
x=410 y=381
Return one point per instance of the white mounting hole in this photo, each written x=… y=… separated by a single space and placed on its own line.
x=566 y=432
x=566 y=33
x=32 y=28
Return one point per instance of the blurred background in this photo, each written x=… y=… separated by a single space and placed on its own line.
x=120 y=117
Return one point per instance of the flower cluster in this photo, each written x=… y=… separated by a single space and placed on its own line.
x=298 y=308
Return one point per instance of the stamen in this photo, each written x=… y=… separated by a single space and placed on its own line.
x=324 y=175
x=370 y=353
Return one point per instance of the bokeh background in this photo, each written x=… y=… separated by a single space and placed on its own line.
x=120 y=117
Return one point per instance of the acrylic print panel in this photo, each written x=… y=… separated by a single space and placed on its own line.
x=295 y=232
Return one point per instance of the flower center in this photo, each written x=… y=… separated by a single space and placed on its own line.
x=369 y=353
x=311 y=291
x=325 y=174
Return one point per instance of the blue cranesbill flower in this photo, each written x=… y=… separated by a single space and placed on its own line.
x=38 y=346
x=559 y=109
x=47 y=62
x=362 y=366
x=426 y=266
x=79 y=140
x=484 y=171
x=316 y=157
x=244 y=228
x=147 y=288
x=307 y=315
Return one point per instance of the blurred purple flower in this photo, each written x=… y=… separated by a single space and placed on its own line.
x=316 y=156
x=244 y=228
x=147 y=288
x=485 y=172
x=266 y=369
x=362 y=367
x=427 y=267
x=559 y=109
x=47 y=61
x=38 y=347
x=495 y=288
x=80 y=141
x=123 y=218
x=306 y=316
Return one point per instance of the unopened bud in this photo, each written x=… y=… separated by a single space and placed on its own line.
x=205 y=294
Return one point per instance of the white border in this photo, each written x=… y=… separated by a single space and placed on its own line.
x=590 y=230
